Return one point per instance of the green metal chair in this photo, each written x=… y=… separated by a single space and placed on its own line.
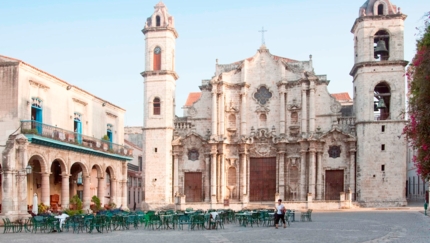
x=184 y=220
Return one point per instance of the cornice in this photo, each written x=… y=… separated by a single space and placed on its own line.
x=160 y=72
x=376 y=64
x=159 y=29
x=377 y=17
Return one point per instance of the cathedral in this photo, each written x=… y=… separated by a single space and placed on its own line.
x=266 y=127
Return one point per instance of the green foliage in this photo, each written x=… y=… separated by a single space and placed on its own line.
x=77 y=201
x=105 y=138
x=42 y=208
x=29 y=131
x=96 y=202
x=418 y=129
x=73 y=212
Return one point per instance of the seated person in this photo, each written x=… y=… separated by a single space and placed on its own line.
x=61 y=217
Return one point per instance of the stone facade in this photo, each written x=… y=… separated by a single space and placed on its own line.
x=72 y=140
x=266 y=127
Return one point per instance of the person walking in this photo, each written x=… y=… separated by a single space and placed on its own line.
x=280 y=214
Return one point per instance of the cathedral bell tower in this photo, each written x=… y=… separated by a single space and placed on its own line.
x=379 y=103
x=159 y=102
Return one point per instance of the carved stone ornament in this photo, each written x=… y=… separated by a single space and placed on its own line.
x=192 y=111
x=334 y=151
x=193 y=154
x=335 y=106
x=294 y=106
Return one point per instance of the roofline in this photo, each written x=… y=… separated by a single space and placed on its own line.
x=132 y=144
x=377 y=17
x=67 y=84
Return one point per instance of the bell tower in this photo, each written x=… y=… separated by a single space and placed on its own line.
x=379 y=103
x=159 y=102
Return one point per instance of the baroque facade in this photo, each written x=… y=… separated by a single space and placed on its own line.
x=58 y=141
x=266 y=127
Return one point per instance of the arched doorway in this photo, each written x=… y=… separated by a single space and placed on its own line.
x=55 y=185
x=80 y=183
x=97 y=181
x=38 y=181
x=110 y=187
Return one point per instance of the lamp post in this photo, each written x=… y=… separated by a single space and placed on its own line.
x=28 y=169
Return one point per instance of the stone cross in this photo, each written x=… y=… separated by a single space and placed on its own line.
x=262 y=35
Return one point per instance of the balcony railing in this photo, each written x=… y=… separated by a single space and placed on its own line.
x=65 y=136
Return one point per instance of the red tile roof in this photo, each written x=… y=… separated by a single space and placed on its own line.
x=193 y=97
x=342 y=96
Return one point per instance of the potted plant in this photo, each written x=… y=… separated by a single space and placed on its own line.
x=97 y=204
x=106 y=141
x=75 y=203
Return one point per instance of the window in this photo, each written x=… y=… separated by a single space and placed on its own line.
x=140 y=163
x=380 y=9
x=382 y=167
x=158 y=21
x=383 y=128
x=36 y=114
x=155 y=150
x=77 y=127
x=157 y=58
x=79 y=179
x=383 y=147
x=263 y=95
x=157 y=106
x=109 y=133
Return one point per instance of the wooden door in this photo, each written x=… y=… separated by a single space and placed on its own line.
x=193 y=187
x=333 y=184
x=262 y=179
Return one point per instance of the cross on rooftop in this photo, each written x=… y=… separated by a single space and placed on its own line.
x=262 y=35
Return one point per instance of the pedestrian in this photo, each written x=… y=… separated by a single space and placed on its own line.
x=280 y=213
x=134 y=207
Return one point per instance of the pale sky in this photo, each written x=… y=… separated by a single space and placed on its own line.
x=98 y=45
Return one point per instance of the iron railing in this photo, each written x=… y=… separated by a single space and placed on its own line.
x=62 y=135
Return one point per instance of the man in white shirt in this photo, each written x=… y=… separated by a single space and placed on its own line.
x=62 y=217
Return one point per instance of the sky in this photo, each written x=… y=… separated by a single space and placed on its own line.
x=98 y=45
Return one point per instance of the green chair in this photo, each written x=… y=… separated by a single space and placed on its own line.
x=184 y=220
x=8 y=227
x=155 y=221
x=197 y=221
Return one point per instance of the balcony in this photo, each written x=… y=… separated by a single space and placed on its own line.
x=48 y=135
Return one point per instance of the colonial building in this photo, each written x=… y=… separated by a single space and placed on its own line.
x=266 y=127
x=58 y=141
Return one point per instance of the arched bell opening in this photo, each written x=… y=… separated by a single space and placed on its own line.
x=381 y=46
x=381 y=102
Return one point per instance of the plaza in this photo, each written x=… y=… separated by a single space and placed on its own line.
x=370 y=225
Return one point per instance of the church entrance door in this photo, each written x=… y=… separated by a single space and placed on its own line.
x=333 y=184
x=262 y=179
x=193 y=186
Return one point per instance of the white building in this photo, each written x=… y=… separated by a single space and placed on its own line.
x=265 y=127
x=72 y=141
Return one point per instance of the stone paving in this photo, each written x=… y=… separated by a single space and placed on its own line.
x=337 y=226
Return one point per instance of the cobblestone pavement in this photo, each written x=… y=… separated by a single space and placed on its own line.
x=363 y=226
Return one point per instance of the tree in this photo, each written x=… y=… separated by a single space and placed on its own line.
x=418 y=76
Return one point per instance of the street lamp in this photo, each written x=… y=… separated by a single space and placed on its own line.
x=28 y=169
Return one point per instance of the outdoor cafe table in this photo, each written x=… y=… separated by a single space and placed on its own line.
x=243 y=218
x=167 y=220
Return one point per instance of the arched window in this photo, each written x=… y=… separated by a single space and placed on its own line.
x=381 y=106
x=157 y=58
x=381 y=45
x=157 y=106
x=158 y=21
x=381 y=9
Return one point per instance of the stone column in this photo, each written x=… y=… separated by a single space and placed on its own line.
x=282 y=110
x=65 y=199
x=221 y=114
x=175 y=173
x=222 y=176
x=303 y=191
x=311 y=188
x=124 y=194
x=45 y=188
x=244 y=173
x=312 y=107
x=243 y=113
x=281 y=172
x=7 y=190
x=304 y=110
x=213 y=177
x=22 y=176
x=352 y=152
x=101 y=187
x=319 y=176
x=87 y=198
x=214 y=111
x=207 y=158
x=113 y=191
